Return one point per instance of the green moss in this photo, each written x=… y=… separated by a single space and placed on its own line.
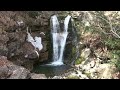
x=72 y=77
x=79 y=60
x=73 y=50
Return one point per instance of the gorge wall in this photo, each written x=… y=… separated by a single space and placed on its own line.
x=13 y=37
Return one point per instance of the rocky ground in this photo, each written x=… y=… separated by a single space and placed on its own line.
x=95 y=61
x=91 y=69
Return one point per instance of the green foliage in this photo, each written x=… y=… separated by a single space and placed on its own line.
x=112 y=42
x=33 y=14
x=115 y=59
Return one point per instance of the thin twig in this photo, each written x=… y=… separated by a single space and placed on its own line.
x=111 y=27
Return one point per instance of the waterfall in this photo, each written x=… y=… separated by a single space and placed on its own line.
x=59 y=39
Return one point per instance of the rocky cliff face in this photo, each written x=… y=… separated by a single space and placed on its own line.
x=72 y=49
x=15 y=48
x=13 y=36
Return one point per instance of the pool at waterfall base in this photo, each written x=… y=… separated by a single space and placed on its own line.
x=59 y=37
x=51 y=70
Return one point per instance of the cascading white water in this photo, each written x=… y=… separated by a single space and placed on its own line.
x=59 y=39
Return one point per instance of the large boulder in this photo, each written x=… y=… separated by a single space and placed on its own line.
x=10 y=71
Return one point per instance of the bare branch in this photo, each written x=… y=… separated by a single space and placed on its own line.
x=111 y=26
x=103 y=30
x=110 y=23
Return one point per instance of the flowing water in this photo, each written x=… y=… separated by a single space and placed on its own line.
x=59 y=36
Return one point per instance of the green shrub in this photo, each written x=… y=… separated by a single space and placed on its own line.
x=112 y=43
x=115 y=59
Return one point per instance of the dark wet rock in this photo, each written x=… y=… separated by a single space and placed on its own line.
x=72 y=48
x=43 y=56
